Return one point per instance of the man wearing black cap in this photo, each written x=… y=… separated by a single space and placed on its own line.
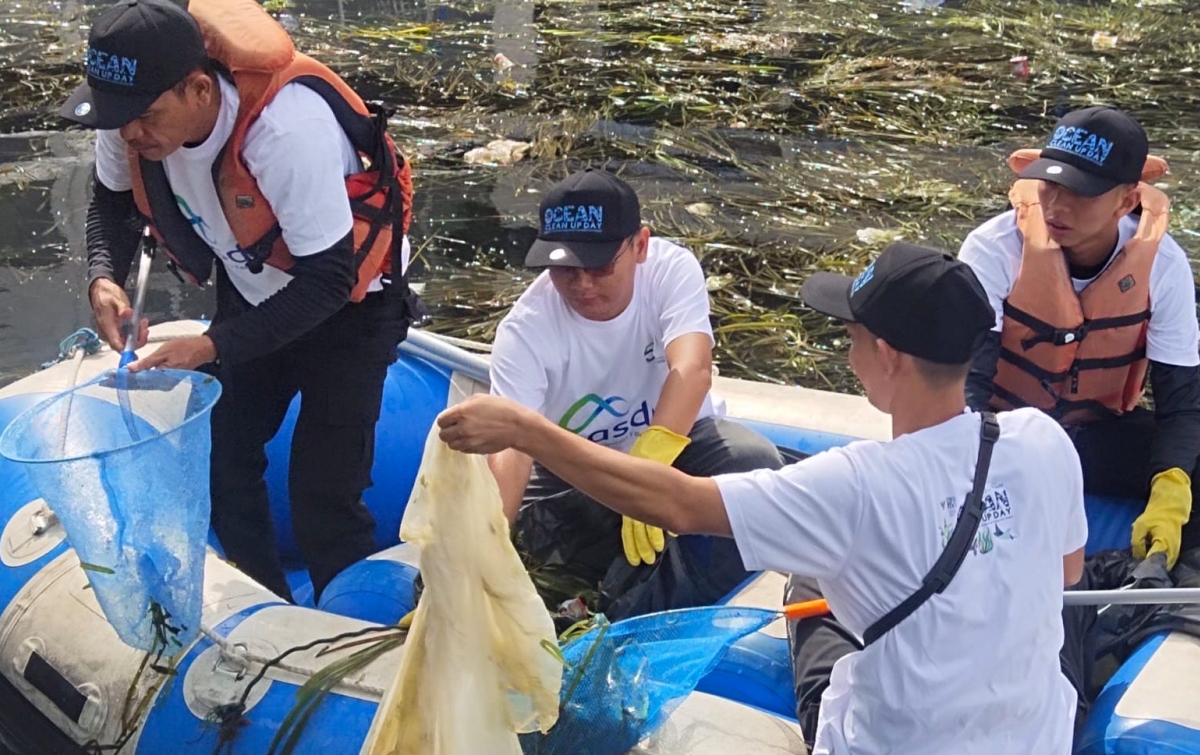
x=1091 y=295
x=613 y=343
x=972 y=668
x=249 y=154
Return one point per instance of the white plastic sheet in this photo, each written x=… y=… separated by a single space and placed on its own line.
x=478 y=665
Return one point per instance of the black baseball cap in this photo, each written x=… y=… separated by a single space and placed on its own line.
x=137 y=50
x=1092 y=151
x=584 y=220
x=921 y=301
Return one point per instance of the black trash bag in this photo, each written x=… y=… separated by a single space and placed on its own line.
x=693 y=570
x=1120 y=630
x=579 y=540
x=1099 y=639
x=566 y=529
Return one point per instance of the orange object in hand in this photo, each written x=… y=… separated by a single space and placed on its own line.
x=805 y=609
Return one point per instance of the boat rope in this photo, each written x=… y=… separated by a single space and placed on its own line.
x=230 y=718
x=81 y=343
x=241 y=657
x=84 y=343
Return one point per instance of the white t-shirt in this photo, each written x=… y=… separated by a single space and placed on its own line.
x=975 y=669
x=289 y=150
x=602 y=380
x=993 y=250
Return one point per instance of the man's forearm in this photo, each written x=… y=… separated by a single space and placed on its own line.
x=682 y=396
x=320 y=286
x=512 y=469
x=643 y=490
x=983 y=371
x=112 y=231
x=1176 y=442
x=689 y=379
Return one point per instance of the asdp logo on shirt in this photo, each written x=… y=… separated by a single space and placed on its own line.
x=198 y=223
x=604 y=420
x=237 y=255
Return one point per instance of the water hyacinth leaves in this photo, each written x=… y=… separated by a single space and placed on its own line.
x=799 y=123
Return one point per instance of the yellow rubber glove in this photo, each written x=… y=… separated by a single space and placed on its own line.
x=1160 y=527
x=406 y=620
x=644 y=542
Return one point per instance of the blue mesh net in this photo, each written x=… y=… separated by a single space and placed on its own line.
x=123 y=461
x=623 y=680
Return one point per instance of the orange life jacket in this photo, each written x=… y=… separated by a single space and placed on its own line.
x=1077 y=356
x=257 y=53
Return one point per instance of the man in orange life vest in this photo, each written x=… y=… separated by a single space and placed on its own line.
x=1092 y=295
x=238 y=149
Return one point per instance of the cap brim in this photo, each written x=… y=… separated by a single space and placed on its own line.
x=1064 y=174
x=829 y=294
x=96 y=108
x=586 y=254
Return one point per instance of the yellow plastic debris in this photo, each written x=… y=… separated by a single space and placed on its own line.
x=477 y=665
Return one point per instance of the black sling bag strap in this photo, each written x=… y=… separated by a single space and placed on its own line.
x=960 y=540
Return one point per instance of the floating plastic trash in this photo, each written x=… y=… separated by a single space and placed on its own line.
x=123 y=461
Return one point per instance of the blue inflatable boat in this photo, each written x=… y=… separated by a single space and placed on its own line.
x=68 y=685
x=66 y=680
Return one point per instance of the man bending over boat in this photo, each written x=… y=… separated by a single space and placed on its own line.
x=251 y=154
x=971 y=669
x=1090 y=295
x=613 y=343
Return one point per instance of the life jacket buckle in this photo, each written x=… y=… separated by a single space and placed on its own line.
x=1048 y=387
x=1067 y=336
x=379 y=109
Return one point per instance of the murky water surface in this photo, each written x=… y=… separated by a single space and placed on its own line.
x=775 y=137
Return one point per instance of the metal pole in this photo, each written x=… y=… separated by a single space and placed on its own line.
x=1147 y=596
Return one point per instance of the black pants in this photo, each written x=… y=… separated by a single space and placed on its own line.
x=816 y=644
x=558 y=525
x=1115 y=455
x=338 y=369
